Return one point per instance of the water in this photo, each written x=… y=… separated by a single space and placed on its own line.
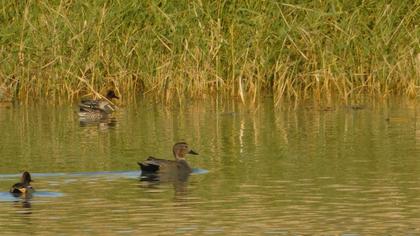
x=309 y=169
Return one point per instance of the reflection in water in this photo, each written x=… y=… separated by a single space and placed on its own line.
x=103 y=122
x=23 y=203
x=293 y=170
x=165 y=177
x=179 y=180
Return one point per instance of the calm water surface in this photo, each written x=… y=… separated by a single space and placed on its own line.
x=261 y=171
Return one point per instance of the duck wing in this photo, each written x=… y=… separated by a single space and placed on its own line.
x=89 y=104
x=90 y=110
x=96 y=105
x=16 y=188
x=19 y=188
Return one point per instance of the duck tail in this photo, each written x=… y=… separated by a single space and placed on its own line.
x=148 y=167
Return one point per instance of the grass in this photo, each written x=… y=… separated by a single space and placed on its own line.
x=60 y=50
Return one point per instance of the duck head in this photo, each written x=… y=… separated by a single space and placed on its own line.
x=111 y=94
x=26 y=178
x=181 y=149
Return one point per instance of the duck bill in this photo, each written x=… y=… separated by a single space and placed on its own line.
x=192 y=152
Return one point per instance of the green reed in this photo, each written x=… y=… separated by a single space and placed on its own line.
x=62 y=49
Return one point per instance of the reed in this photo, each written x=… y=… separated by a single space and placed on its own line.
x=62 y=49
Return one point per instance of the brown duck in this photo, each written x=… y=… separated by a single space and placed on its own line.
x=97 y=108
x=180 y=164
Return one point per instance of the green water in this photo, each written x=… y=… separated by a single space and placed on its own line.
x=293 y=170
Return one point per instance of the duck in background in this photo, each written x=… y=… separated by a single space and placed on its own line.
x=99 y=108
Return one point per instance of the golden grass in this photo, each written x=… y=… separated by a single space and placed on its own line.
x=60 y=50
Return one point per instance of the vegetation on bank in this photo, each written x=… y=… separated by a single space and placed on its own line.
x=62 y=49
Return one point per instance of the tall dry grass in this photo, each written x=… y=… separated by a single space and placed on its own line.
x=62 y=49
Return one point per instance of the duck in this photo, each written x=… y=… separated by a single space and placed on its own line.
x=23 y=187
x=97 y=108
x=6 y=98
x=156 y=165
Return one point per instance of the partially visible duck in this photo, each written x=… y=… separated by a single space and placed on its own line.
x=24 y=187
x=97 y=108
x=180 y=150
x=6 y=98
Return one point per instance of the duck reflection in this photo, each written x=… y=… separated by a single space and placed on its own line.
x=104 y=122
x=178 y=180
x=24 y=204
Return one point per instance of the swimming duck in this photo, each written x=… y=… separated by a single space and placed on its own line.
x=24 y=186
x=97 y=108
x=180 y=149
